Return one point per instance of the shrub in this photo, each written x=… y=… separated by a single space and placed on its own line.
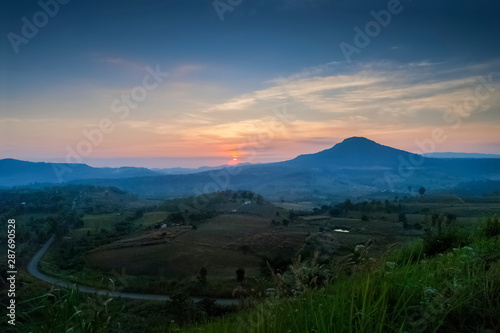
x=240 y=274
x=402 y=217
x=202 y=276
x=491 y=227
x=435 y=243
x=334 y=212
x=278 y=261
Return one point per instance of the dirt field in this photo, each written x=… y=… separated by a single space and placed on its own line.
x=239 y=239
x=183 y=251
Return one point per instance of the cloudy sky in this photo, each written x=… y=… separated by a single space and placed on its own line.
x=202 y=82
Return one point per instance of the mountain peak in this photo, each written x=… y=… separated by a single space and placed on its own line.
x=356 y=152
x=357 y=140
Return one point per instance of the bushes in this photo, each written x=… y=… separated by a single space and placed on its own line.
x=278 y=261
x=455 y=292
x=440 y=242
x=240 y=274
x=491 y=227
x=66 y=310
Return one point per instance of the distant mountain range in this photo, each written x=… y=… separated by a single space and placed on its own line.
x=18 y=173
x=356 y=167
x=461 y=155
x=14 y=172
x=185 y=171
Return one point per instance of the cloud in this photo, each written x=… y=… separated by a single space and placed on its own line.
x=308 y=72
x=375 y=92
x=118 y=61
x=302 y=90
x=392 y=103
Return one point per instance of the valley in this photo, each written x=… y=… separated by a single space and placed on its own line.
x=314 y=224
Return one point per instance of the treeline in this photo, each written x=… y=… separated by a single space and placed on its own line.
x=373 y=206
x=208 y=201
x=343 y=208
x=61 y=199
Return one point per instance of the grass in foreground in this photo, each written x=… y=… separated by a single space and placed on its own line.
x=454 y=291
x=405 y=291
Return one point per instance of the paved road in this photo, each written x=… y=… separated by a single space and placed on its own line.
x=33 y=270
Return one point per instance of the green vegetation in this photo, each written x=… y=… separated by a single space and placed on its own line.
x=405 y=290
x=455 y=290
x=68 y=310
x=327 y=268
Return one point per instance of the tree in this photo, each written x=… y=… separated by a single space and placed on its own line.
x=285 y=222
x=202 y=275
x=240 y=274
x=347 y=206
x=334 y=212
x=421 y=191
x=402 y=218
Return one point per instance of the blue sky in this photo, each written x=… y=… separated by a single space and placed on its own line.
x=229 y=79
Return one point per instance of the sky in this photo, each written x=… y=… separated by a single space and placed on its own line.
x=190 y=83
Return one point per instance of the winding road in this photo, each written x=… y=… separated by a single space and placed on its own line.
x=33 y=270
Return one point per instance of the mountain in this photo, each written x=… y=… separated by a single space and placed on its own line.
x=357 y=152
x=15 y=172
x=461 y=155
x=184 y=171
x=356 y=168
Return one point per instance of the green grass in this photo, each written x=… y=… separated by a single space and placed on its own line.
x=454 y=291
x=64 y=310
x=410 y=289
x=101 y=221
x=150 y=219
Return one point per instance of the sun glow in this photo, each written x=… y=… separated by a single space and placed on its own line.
x=234 y=158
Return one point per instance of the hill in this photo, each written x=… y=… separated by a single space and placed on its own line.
x=356 y=168
x=354 y=152
x=15 y=172
x=461 y=155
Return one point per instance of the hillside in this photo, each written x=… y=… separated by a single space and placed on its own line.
x=356 y=167
x=355 y=152
x=15 y=173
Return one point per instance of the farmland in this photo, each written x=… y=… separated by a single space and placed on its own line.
x=167 y=251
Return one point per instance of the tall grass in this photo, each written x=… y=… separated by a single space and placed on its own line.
x=65 y=310
x=453 y=291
